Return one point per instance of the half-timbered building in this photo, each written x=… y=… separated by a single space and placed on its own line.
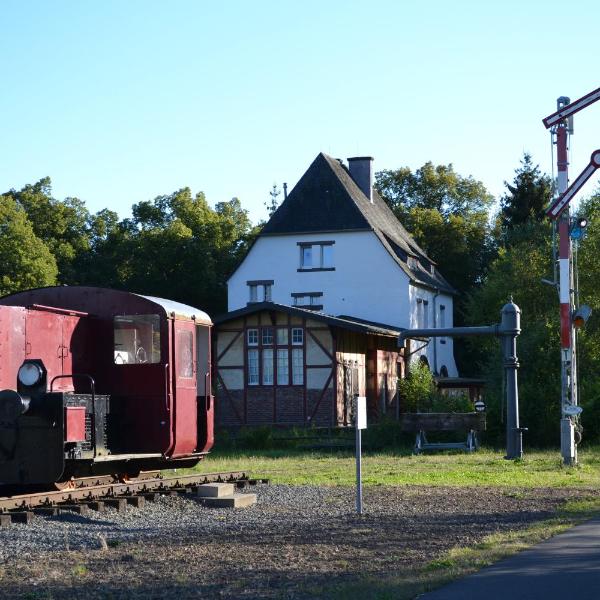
x=317 y=304
x=284 y=365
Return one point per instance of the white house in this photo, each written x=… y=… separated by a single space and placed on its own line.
x=334 y=246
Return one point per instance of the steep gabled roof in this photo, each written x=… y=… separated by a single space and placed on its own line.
x=318 y=202
x=327 y=199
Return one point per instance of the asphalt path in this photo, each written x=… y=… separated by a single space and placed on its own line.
x=564 y=567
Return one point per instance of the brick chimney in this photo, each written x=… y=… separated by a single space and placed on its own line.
x=361 y=170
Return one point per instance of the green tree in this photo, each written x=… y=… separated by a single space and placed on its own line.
x=461 y=246
x=432 y=187
x=588 y=338
x=447 y=215
x=64 y=226
x=517 y=273
x=527 y=197
x=272 y=204
x=176 y=246
x=25 y=261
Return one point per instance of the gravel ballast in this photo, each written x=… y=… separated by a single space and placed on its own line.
x=294 y=543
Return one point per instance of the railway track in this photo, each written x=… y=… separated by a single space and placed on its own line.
x=95 y=493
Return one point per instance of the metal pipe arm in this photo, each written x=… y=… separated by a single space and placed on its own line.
x=448 y=332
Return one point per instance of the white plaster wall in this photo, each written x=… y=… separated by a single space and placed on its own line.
x=437 y=352
x=366 y=283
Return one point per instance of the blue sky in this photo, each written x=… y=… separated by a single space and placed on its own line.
x=120 y=101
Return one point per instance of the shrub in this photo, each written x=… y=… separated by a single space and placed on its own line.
x=419 y=394
x=417 y=389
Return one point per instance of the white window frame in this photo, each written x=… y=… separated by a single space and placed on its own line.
x=297 y=342
x=328 y=264
x=307 y=299
x=268 y=370
x=253 y=291
x=317 y=256
x=298 y=366
x=275 y=356
x=260 y=291
x=283 y=366
x=306 y=264
x=265 y=338
x=284 y=338
x=253 y=366
x=252 y=336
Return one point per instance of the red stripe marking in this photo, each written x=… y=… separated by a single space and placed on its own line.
x=565 y=326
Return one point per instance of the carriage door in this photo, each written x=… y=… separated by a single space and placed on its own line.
x=43 y=340
x=185 y=419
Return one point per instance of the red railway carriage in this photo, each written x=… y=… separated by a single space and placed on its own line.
x=97 y=381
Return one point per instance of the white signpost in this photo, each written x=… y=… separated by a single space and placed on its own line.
x=360 y=423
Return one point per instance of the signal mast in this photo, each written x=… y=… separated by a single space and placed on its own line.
x=560 y=124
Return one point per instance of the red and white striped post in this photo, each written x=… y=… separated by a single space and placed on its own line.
x=560 y=123
x=565 y=283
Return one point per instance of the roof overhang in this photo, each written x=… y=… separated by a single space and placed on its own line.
x=344 y=322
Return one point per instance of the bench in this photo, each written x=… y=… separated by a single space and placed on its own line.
x=421 y=423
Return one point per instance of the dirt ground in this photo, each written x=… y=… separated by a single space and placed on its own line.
x=280 y=556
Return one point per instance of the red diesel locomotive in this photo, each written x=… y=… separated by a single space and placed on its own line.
x=100 y=382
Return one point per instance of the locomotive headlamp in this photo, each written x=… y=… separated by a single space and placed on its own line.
x=29 y=374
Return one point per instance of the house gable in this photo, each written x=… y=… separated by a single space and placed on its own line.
x=375 y=270
x=327 y=199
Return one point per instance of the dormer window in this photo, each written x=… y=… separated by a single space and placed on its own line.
x=260 y=290
x=316 y=256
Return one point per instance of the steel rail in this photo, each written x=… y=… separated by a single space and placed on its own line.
x=52 y=498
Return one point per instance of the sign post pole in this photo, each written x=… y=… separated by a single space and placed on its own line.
x=360 y=422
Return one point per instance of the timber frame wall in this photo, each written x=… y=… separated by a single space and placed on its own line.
x=322 y=399
x=241 y=403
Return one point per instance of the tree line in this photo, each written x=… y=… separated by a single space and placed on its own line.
x=179 y=246
x=176 y=246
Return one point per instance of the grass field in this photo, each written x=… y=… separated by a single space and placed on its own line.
x=483 y=468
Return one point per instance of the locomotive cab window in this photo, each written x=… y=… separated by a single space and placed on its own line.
x=136 y=339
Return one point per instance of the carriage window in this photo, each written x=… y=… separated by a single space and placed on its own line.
x=185 y=354
x=136 y=339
